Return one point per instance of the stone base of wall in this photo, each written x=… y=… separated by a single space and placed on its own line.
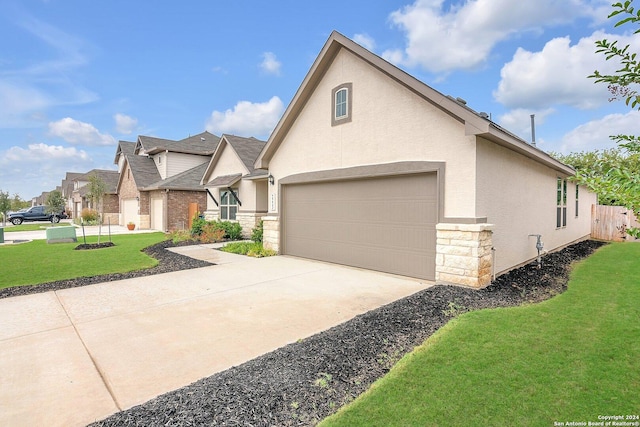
x=211 y=215
x=248 y=221
x=271 y=233
x=145 y=222
x=463 y=254
x=110 y=218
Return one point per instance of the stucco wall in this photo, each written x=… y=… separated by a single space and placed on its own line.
x=229 y=164
x=389 y=124
x=518 y=195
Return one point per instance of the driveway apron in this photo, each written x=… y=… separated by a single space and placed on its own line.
x=77 y=355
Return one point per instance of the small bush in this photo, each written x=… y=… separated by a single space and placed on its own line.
x=232 y=230
x=256 y=233
x=89 y=216
x=248 y=248
x=197 y=225
x=211 y=233
x=180 y=236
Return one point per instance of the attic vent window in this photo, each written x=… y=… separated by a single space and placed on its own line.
x=341 y=98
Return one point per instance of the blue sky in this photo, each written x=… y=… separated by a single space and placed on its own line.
x=77 y=76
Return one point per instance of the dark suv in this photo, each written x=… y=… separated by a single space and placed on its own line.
x=35 y=213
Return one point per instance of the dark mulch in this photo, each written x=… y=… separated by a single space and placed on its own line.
x=90 y=246
x=302 y=383
x=167 y=262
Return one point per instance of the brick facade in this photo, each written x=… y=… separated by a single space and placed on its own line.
x=178 y=207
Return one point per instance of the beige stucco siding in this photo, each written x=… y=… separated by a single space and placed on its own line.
x=389 y=123
x=229 y=164
x=519 y=196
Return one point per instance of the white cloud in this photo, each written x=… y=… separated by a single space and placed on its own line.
x=270 y=63
x=77 y=132
x=463 y=35
x=558 y=74
x=595 y=134
x=247 y=118
x=125 y=124
x=365 y=41
x=39 y=167
x=518 y=121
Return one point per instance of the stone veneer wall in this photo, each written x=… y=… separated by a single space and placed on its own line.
x=463 y=254
x=271 y=233
x=248 y=221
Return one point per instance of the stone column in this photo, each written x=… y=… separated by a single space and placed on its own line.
x=271 y=233
x=248 y=221
x=463 y=254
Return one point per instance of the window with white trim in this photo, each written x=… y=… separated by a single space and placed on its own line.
x=561 y=203
x=341 y=104
x=228 y=205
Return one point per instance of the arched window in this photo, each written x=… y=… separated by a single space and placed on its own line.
x=341 y=104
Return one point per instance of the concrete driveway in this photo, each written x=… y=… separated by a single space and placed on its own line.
x=74 y=356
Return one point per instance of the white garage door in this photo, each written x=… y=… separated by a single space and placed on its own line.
x=385 y=224
x=157 y=214
x=129 y=211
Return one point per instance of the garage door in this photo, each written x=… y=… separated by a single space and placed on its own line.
x=385 y=224
x=129 y=211
x=157 y=214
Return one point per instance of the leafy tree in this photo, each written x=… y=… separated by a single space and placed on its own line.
x=5 y=205
x=17 y=203
x=96 y=189
x=55 y=203
x=620 y=183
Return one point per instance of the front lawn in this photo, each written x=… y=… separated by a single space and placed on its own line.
x=38 y=262
x=31 y=226
x=570 y=359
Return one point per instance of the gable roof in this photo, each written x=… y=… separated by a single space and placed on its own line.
x=204 y=144
x=124 y=147
x=187 y=180
x=109 y=177
x=143 y=169
x=474 y=123
x=247 y=150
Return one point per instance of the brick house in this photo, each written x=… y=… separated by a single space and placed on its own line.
x=109 y=208
x=160 y=178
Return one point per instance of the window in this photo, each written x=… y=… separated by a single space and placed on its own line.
x=577 y=204
x=228 y=205
x=561 y=203
x=341 y=104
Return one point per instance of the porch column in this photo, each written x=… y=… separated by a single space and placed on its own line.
x=271 y=233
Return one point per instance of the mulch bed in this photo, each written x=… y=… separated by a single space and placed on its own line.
x=302 y=383
x=167 y=262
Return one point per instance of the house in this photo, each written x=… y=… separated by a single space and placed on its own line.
x=160 y=178
x=236 y=190
x=67 y=191
x=109 y=205
x=373 y=168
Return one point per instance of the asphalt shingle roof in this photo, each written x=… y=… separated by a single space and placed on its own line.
x=224 y=180
x=187 y=180
x=110 y=178
x=248 y=149
x=143 y=169
x=204 y=143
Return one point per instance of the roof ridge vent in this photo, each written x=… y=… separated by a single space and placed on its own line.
x=461 y=101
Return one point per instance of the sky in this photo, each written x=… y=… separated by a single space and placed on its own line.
x=78 y=76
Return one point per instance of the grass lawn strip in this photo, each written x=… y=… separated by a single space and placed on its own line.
x=40 y=226
x=569 y=359
x=38 y=262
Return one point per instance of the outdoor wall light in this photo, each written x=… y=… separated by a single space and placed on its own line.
x=138 y=198
x=271 y=179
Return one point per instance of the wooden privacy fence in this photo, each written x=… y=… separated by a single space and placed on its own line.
x=611 y=223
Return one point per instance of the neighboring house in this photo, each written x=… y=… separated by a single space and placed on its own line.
x=372 y=168
x=41 y=199
x=160 y=178
x=236 y=190
x=67 y=191
x=110 y=207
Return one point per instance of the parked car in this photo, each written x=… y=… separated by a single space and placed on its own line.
x=35 y=213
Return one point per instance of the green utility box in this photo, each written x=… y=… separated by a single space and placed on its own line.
x=61 y=234
x=1 y=235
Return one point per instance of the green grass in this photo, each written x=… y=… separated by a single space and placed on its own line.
x=571 y=358
x=34 y=226
x=38 y=262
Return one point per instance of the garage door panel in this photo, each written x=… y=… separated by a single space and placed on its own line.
x=385 y=224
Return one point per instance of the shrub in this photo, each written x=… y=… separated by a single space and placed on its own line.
x=248 y=248
x=256 y=233
x=211 y=233
x=197 y=225
x=180 y=236
x=89 y=216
